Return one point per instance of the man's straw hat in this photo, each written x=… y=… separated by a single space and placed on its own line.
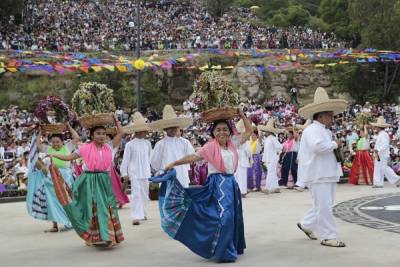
x=380 y=122
x=269 y=127
x=139 y=124
x=322 y=103
x=303 y=126
x=240 y=126
x=170 y=119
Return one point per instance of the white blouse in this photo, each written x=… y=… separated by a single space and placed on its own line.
x=229 y=163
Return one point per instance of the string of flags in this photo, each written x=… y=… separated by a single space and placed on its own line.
x=275 y=60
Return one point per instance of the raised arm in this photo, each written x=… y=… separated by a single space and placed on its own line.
x=118 y=136
x=185 y=160
x=74 y=134
x=39 y=143
x=247 y=126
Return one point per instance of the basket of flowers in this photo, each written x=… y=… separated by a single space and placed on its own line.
x=364 y=119
x=53 y=113
x=215 y=97
x=94 y=104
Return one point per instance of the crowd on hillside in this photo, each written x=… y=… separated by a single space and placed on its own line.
x=67 y=25
x=17 y=127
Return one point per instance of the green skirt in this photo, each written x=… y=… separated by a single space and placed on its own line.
x=90 y=206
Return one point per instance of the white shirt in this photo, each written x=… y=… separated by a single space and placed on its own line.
x=383 y=145
x=272 y=149
x=244 y=155
x=136 y=160
x=229 y=163
x=317 y=161
x=170 y=149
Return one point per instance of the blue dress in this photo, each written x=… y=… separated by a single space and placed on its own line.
x=207 y=219
x=41 y=200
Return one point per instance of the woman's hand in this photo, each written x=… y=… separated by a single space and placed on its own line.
x=169 y=167
x=241 y=113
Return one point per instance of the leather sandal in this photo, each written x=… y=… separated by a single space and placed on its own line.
x=333 y=243
x=308 y=233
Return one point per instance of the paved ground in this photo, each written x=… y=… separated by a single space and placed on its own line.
x=272 y=237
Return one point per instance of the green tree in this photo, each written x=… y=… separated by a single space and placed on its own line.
x=298 y=15
x=217 y=7
x=378 y=22
x=335 y=13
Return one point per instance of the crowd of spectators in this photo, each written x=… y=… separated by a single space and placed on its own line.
x=17 y=127
x=89 y=25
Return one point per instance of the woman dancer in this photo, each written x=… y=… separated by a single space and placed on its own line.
x=41 y=201
x=92 y=207
x=362 y=170
x=208 y=219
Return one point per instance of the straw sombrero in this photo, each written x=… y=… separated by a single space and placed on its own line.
x=269 y=127
x=380 y=122
x=139 y=124
x=240 y=126
x=322 y=103
x=170 y=119
x=303 y=126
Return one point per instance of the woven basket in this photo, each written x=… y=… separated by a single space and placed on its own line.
x=54 y=128
x=101 y=119
x=214 y=114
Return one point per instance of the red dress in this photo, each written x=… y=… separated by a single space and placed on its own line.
x=362 y=164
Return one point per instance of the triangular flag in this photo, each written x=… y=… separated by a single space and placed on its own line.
x=12 y=70
x=96 y=68
x=122 y=68
x=84 y=69
x=203 y=68
x=2 y=70
x=109 y=67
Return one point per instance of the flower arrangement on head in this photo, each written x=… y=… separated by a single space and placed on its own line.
x=94 y=103
x=364 y=119
x=53 y=113
x=214 y=96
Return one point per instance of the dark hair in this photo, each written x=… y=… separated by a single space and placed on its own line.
x=58 y=136
x=93 y=129
x=215 y=123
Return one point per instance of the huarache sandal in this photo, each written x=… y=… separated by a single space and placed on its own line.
x=308 y=233
x=51 y=230
x=333 y=243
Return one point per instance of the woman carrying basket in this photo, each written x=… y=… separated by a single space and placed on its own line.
x=208 y=219
x=91 y=206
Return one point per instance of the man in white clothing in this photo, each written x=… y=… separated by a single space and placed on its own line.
x=382 y=155
x=272 y=150
x=319 y=168
x=136 y=166
x=171 y=148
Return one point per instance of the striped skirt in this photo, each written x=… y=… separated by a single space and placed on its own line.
x=90 y=206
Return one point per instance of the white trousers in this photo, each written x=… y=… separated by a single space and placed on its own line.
x=272 y=176
x=241 y=179
x=320 y=217
x=140 y=198
x=381 y=170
